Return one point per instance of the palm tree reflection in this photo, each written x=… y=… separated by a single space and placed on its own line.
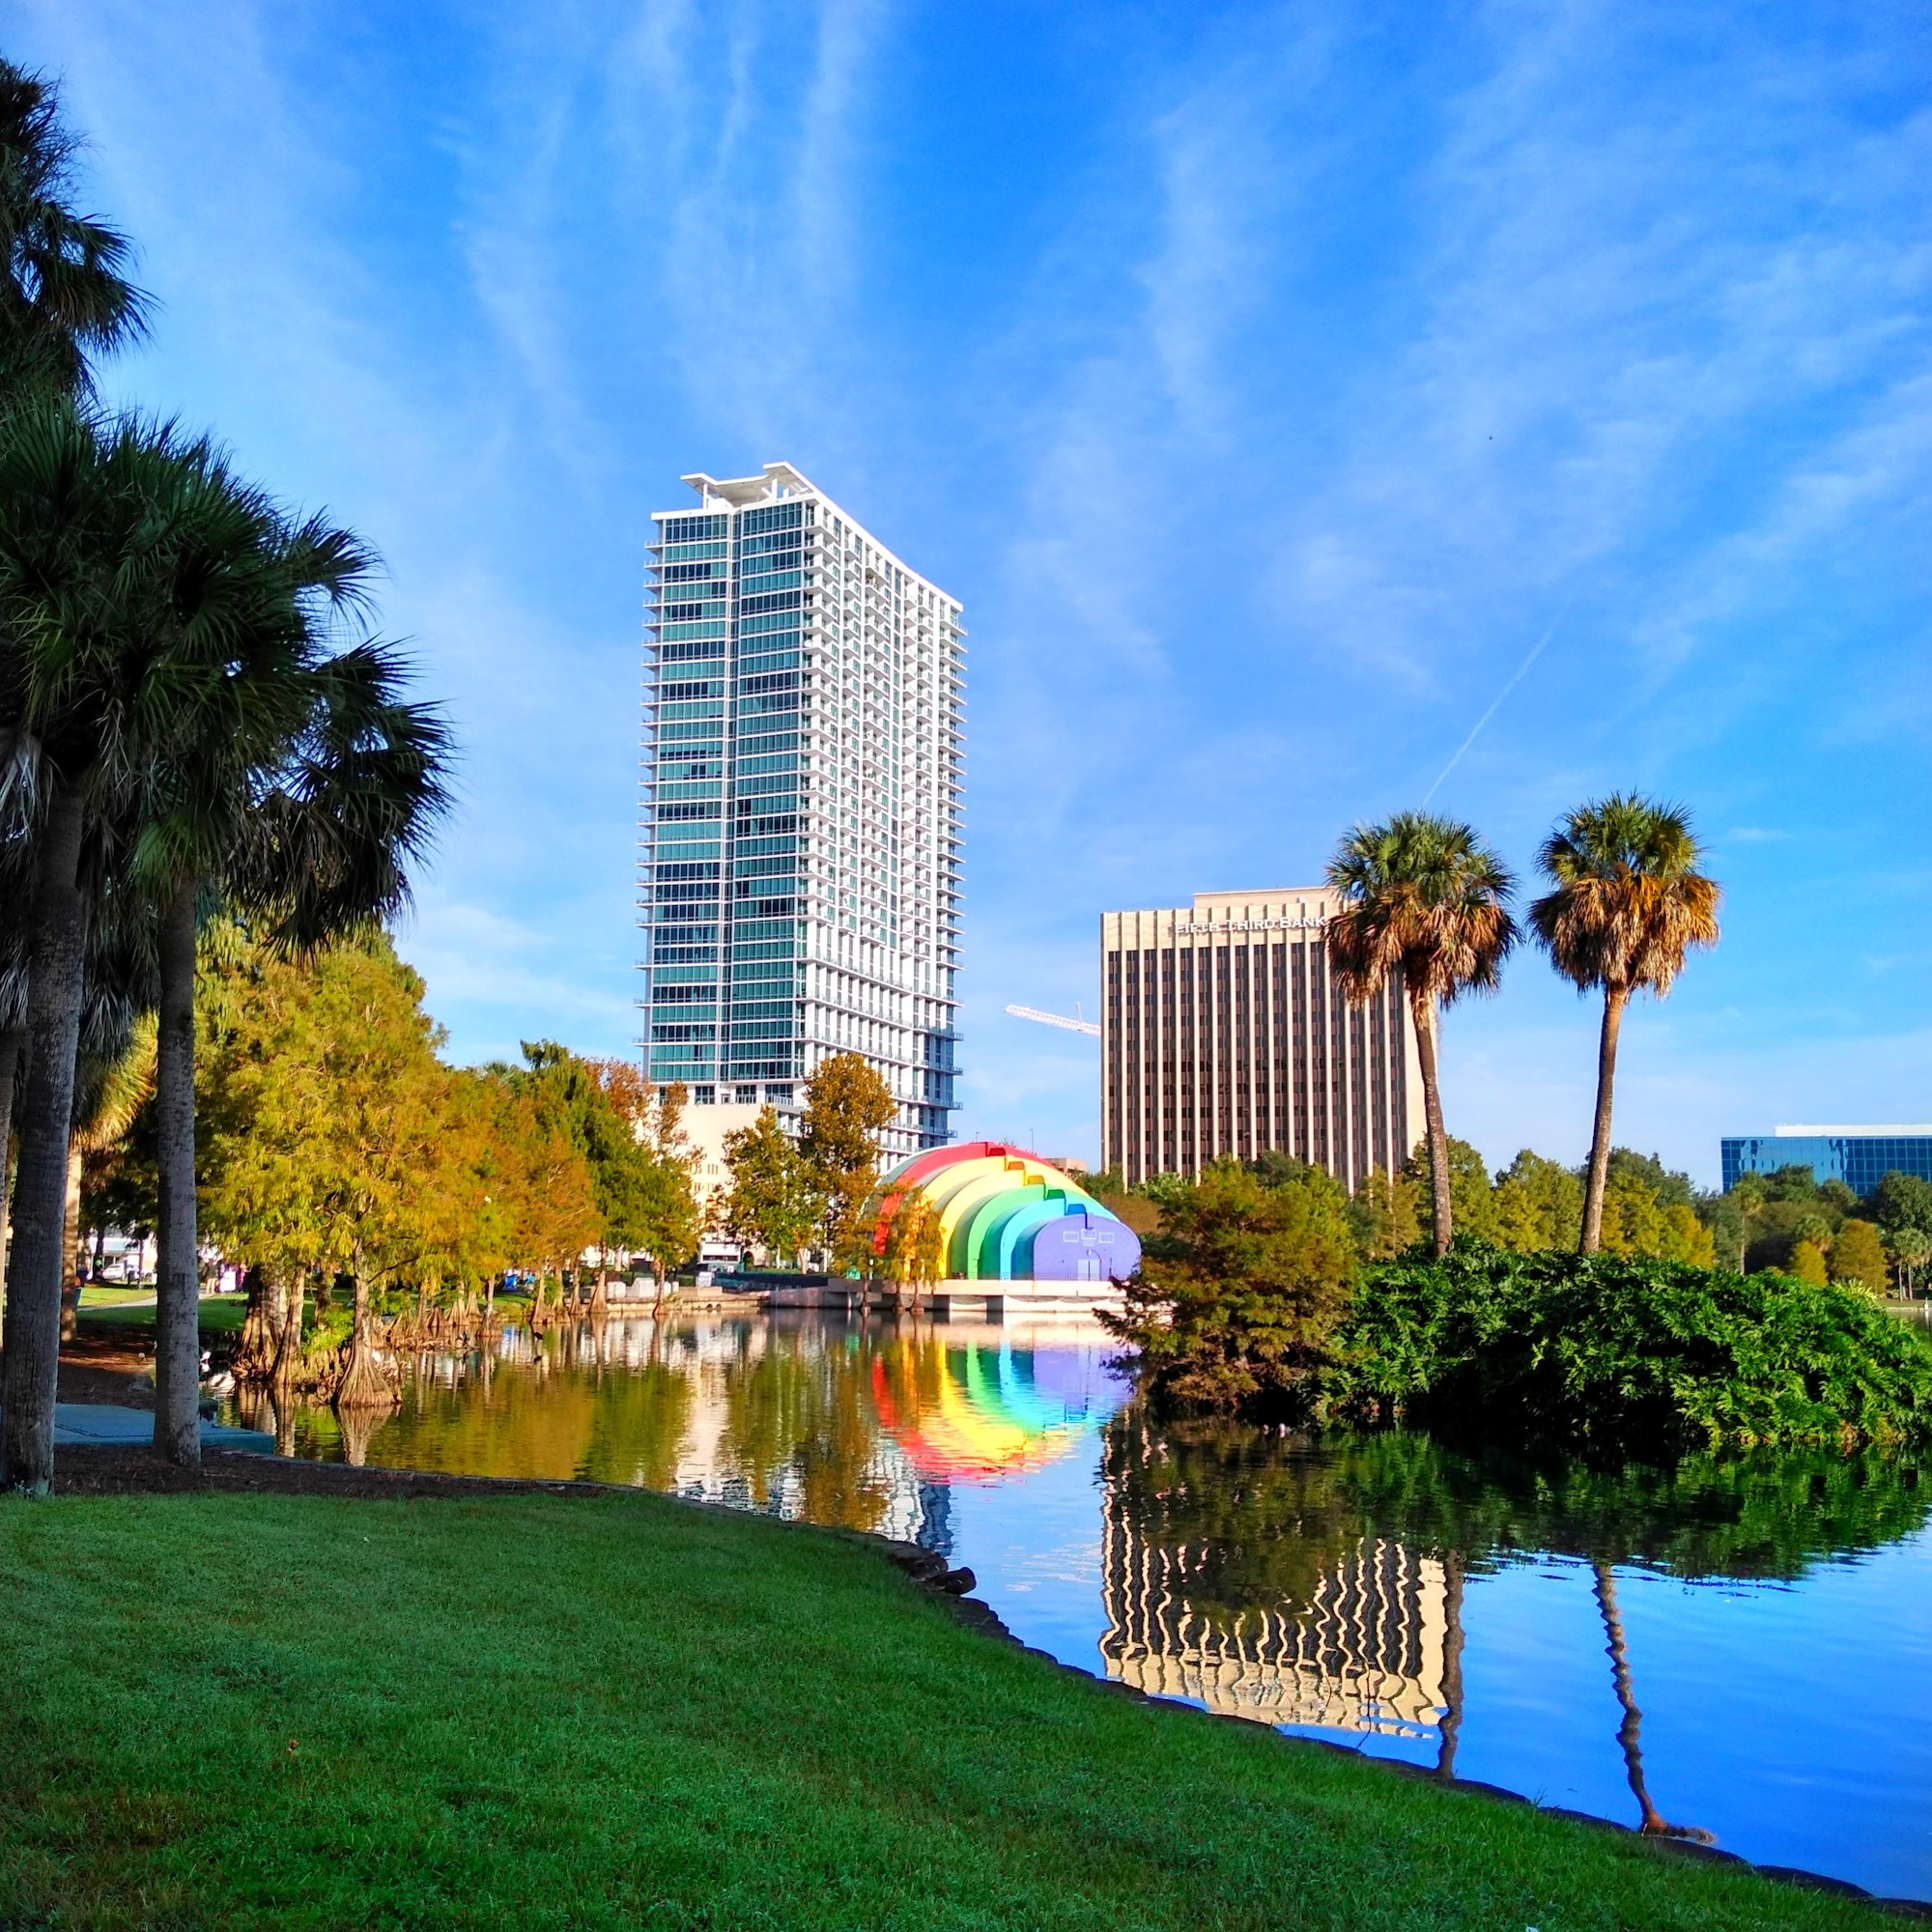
x=1451 y=1663
x=1630 y=1731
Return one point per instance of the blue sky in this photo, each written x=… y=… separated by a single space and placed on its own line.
x=1269 y=384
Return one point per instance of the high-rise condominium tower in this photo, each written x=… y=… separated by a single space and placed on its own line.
x=1223 y=1033
x=800 y=874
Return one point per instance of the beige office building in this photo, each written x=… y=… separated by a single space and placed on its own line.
x=1222 y=1033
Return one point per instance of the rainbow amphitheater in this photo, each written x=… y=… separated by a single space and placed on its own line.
x=1007 y=1217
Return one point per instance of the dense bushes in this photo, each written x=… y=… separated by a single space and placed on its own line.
x=1613 y=1349
x=1240 y=1289
x=1258 y=1295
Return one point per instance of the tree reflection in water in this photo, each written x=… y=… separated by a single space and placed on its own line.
x=1315 y=1581
x=1320 y=1581
x=1630 y=1731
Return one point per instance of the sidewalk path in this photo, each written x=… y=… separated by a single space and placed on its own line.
x=102 y=1424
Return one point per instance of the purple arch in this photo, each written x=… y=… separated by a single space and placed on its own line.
x=1084 y=1247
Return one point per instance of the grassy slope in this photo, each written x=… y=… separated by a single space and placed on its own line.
x=220 y=1315
x=571 y=1711
x=109 y=1295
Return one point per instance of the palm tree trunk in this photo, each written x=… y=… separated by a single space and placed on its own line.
x=56 y=967
x=1422 y=1009
x=1614 y=1000
x=13 y=1045
x=178 y=1263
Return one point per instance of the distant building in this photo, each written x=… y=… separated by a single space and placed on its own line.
x=800 y=820
x=1859 y=1156
x=1222 y=1033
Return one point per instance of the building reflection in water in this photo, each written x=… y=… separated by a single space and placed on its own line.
x=1366 y=1650
x=863 y=1425
x=1239 y=1571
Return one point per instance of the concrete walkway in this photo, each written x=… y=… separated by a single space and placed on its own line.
x=101 y=1425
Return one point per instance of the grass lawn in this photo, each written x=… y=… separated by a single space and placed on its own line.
x=111 y=1294
x=577 y=1710
x=220 y=1314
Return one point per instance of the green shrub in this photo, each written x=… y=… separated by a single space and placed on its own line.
x=1616 y=1348
x=1240 y=1293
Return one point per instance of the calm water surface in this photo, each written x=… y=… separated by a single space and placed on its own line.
x=1742 y=1646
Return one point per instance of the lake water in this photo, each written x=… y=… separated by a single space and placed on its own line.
x=1743 y=1645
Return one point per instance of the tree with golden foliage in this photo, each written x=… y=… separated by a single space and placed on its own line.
x=774 y=1201
x=848 y=1106
x=1628 y=904
x=1426 y=903
x=915 y=1255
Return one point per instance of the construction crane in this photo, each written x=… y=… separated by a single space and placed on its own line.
x=1055 y=1019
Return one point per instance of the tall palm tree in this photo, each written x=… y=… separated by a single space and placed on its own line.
x=302 y=822
x=72 y=533
x=64 y=296
x=235 y=709
x=1628 y=904
x=160 y=658
x=1424 y=901
x=63 y=290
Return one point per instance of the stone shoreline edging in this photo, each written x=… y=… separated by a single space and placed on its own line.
x=953 y=1586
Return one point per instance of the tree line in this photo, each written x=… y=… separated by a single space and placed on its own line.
x=340 y=1152
x=1264 y=1290
x=196 y=719
x=354 y=1174
x=1607 y=1302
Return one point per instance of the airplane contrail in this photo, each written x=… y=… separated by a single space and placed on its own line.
x=1521 y=671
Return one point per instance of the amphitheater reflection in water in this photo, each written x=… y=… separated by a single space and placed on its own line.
x=1711 y=1633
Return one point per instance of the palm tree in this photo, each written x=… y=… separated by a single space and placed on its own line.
x=63 y=296
x=1628 y=903
x=291 y=788
x=1424 y=900
x=63 y=288
x=71 y=531
x=162 y=661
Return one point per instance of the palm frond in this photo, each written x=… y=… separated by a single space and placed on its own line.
x=1424 y=897
x=1627 y=900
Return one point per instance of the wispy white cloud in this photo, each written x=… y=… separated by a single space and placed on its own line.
x=1310 y=377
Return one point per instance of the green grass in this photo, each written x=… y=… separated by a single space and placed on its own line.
x=104 y=1294
x=234 y=1710
x=220 y=1314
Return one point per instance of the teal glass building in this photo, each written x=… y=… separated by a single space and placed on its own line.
x=1859 y=1156
x=800 y=815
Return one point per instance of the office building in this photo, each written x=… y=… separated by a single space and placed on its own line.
x=1222 y=1033
x=1859 y=1156
x=799 y=814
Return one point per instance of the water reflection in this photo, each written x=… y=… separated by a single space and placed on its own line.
x=1321 y=1582
x=864 y=1427
x=1359 y=1585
